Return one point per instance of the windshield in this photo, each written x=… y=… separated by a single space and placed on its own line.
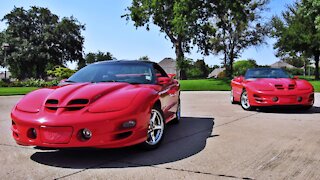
x=266 y=73
x=115 y=72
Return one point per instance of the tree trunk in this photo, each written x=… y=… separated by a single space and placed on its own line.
x=181 y=71
x=316 y=59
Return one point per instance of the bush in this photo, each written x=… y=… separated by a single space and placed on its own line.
x=222 y=75
x=61 y=72
x=3 y=84
x=30 y=83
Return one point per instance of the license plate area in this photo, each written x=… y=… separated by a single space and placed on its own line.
x=55 y=135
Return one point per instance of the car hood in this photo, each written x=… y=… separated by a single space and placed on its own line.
x=96 y=97
x=270 y=84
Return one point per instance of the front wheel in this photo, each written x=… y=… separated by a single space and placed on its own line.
x=155 y=129
x=244 y=101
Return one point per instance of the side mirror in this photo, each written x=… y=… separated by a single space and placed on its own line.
x=163 y=80
x=171 y=76
x=295 y=77
x=238 y=79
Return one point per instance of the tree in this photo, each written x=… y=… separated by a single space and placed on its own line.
x=238 y=26
x=203 y=68
x=178 y=19
x=144 y=58
x=39 y=40
x=298 y=30
x=99 y=56
x=240 y=67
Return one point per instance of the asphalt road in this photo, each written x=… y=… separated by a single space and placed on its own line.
x=215 y=140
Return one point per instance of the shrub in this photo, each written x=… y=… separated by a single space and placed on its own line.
x=222 y=75
x=61 y=72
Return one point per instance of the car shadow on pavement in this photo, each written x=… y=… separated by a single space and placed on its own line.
x=181 y=141
x=290 y=110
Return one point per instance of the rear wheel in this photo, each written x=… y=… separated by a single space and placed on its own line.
x=155 y=129
x=244 y=101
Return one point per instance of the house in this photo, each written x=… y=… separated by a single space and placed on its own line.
x=216 y=72
x=281 y=64
x=5 y=74
x=169 y=65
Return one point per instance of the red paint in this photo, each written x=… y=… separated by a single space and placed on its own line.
x=262 y=90
x=100 y=107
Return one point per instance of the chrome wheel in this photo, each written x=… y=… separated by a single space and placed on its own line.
x=156 y=128
x=245 y=101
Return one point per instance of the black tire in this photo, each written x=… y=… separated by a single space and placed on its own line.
x=154 y=140
x=178 y=114
x=244 y=101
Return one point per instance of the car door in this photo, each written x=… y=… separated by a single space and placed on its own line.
x=169 y=94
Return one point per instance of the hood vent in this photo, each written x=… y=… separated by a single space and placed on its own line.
x=291 y=86
x=279 y=86
x=52 y=101
x=78 y=102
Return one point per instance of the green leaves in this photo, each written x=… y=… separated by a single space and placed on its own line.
x=297 y=31
x=39 y=40
x=99 y=56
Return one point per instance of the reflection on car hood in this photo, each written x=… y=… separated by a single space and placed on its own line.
x=80 y=95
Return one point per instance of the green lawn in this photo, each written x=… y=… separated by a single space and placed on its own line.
x=7 y=91
x=316 y=85
x=205 y=85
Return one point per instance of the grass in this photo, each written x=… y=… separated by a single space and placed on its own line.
x=8 y=91
x=205 y=85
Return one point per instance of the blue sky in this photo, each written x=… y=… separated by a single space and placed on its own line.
x=107 y=31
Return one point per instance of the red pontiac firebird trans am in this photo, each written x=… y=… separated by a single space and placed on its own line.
x=270 y=87
x=104 y=105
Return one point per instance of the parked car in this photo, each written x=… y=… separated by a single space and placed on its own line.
x=271 y=87
x=107 y=104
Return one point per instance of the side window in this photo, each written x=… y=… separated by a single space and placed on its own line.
x=159 y=71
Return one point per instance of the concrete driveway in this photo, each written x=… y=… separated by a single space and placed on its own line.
x=215 y=140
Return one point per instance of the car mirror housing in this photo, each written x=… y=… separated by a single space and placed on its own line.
x=171 y=76
x=163 y=80
x=238 y=79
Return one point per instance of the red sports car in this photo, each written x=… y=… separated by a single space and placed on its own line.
x=270 y=87
x=104 y=105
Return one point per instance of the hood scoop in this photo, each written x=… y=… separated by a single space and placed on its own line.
x=279 y=86
x=291 y=86
x=73 y=105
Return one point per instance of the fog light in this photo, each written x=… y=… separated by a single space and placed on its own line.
x=275 y=99
x=32 y=133
x=129 y=124
x=86 y=134
x=299 y=99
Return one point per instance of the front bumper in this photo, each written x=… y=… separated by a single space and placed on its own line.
x=267 y=98
x=56 y=130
